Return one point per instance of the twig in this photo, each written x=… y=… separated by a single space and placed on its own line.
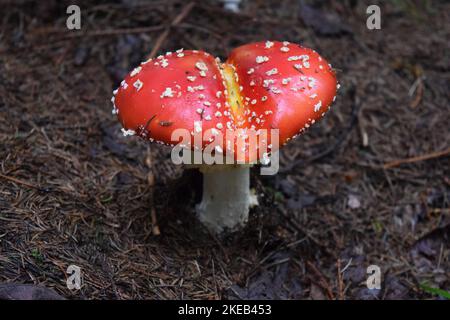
x=322 y=280
x=151 y=183
x=98 y=33
x=162 y=37
x=423 y=157
x=349 y=263
x=340 y=281
x=419 y=88
x=18 y=181
x=362 y=130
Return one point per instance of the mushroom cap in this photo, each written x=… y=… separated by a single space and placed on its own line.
x=171 y=92
x=293 y=85
x=263 y=85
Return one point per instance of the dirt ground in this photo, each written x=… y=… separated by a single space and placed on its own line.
x=368 y=185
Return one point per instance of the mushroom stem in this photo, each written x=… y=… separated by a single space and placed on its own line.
x=226 y=197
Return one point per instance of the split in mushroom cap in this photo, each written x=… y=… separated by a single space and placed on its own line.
x=264 y=85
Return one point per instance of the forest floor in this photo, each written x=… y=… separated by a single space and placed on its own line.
x=369 y=185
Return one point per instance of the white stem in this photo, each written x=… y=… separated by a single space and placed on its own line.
x=226 y=197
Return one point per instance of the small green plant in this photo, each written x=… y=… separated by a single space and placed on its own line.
x=36 y=254
x=435 y=291
x=278 y=196
x=377 y=226
x=107 y=199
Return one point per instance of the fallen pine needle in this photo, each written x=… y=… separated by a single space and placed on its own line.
x=151 y=182
x=18 y=181
x=424 y=157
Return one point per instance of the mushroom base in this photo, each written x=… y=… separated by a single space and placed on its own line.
x=226 y=197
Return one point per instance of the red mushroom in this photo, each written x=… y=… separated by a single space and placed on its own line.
x=264 y=85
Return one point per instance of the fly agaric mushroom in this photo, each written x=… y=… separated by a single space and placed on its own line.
x=262 y=86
